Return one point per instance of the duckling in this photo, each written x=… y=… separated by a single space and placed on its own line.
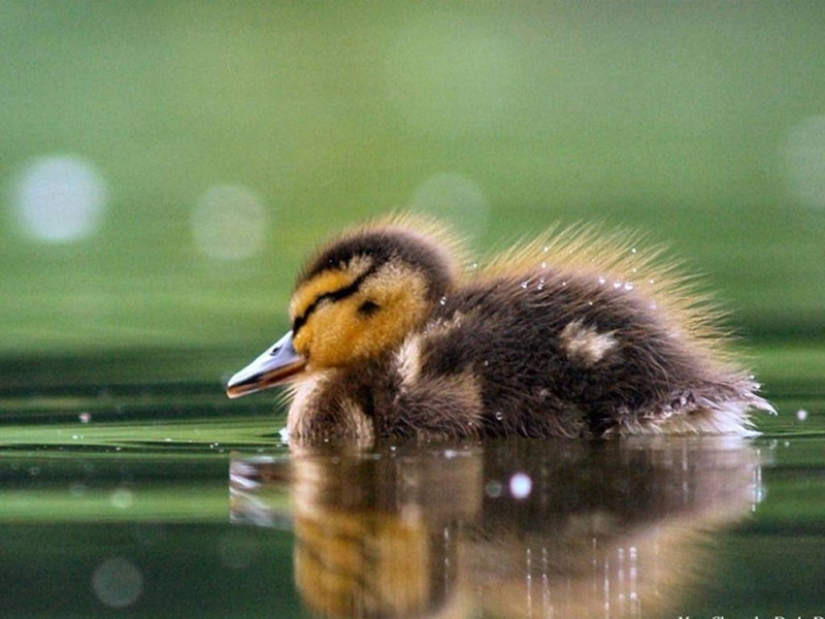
x=575 y=334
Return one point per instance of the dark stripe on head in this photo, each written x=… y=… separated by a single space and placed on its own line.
x=382 y=246
x=333 y=295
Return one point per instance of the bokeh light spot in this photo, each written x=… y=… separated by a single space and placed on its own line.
x=58 y=199
x=805 y=161
x=238 y=550
x=456 y=199
x=521 y=486
x=122 y=498
x=229 y=223
x=493 y=489
x=450 y=77
x=117 y=583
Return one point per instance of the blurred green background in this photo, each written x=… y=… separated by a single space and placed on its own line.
x=165 y=166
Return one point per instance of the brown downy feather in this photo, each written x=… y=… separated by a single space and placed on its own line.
x=579 y=332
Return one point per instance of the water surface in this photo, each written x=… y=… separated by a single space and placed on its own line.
x=164 y=499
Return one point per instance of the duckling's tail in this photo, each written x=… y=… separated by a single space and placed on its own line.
x=728 y=416
x=715 y=409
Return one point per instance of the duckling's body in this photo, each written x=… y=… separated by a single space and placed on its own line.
x=572 y=335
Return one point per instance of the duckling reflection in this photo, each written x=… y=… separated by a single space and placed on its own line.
x=516 y=529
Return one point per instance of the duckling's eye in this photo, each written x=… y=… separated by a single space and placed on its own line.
x=368 y=308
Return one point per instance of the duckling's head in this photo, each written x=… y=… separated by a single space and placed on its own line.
x=359 y=297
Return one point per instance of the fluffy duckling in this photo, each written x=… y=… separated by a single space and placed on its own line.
x=575 y=334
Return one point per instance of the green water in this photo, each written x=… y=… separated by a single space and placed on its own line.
x=166 y=499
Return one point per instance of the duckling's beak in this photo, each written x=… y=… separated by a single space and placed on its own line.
x=274 y=367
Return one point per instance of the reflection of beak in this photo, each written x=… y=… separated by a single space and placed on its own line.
x=274 y=367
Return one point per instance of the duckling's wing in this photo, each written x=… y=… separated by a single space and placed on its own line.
x=622 y=259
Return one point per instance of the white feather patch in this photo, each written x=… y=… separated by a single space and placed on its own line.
x=408 y=359
x=586 y=343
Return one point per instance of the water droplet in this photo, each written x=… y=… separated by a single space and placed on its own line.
x=628 y=286
x=617 y=285
x=540 y=285
x=802 y=414
x=543 y=265
x=602 y=281
x=546 y=249
x=524 y=285
x=499 y=416
x=632 y=250
x=486 y=363
x=493 y=489
x=442 y=301
x=521 y=485
x=84 y=417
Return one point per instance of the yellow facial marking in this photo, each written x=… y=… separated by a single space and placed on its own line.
x=324 y=283
x=400 y=294
x=309 y=293
x=340 y=332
